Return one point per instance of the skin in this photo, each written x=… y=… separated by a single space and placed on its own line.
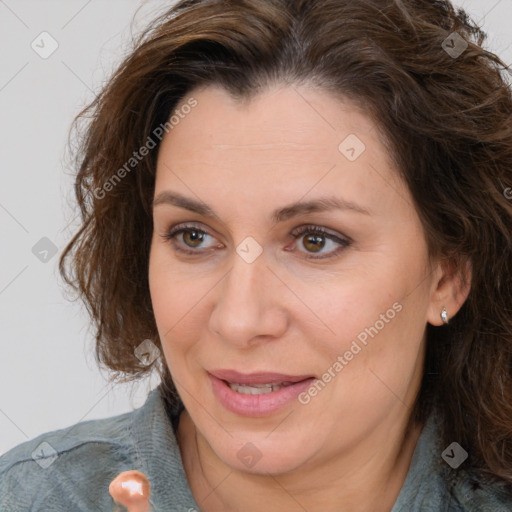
x=350 y=447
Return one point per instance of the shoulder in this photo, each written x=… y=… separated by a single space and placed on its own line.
x=47 y=472
x=473 y=492
x=441 y=480
x=71 y=468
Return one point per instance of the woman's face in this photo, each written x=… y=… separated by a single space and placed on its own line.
x=249 y=291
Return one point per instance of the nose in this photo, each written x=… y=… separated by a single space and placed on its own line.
x=250 y=304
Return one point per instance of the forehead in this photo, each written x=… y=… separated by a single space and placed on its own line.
x=284 y=143
x=276 y=119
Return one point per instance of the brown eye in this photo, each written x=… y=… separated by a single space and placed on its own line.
x=190 y=240
x=193 y=237
x=314 y=243
x=315 y=238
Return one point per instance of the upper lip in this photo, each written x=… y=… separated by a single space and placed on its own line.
x=234 y=377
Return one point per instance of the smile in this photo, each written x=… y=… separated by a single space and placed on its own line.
x=256 y=394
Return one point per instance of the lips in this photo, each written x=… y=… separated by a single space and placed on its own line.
x=256 y=394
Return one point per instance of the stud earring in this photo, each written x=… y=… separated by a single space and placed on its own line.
x=444 y=315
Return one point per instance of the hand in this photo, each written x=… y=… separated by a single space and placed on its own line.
x=131 y=489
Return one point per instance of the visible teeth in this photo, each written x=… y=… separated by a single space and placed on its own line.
x=257 y=389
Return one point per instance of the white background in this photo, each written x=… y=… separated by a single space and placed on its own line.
x=48 y=375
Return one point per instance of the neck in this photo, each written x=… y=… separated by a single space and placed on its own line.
x=362 y=479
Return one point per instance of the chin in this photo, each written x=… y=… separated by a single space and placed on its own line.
x=262 y=457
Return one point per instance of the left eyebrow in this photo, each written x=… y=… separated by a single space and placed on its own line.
x=281 y=214
x=318 y=205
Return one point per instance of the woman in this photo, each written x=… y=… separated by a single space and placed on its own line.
x=298 y=212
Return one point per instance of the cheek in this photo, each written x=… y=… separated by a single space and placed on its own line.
x=371 y=363
x=375 y=320
x=172 y=296
x=381 y=345
x=349 y=303
x=170 y=306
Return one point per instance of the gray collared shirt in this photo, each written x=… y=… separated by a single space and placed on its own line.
x=70 y=469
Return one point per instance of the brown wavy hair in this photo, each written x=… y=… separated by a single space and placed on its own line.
x=447 y=120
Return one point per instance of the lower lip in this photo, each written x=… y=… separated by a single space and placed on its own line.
x=257 y=405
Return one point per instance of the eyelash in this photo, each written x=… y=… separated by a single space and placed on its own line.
x=296 y=234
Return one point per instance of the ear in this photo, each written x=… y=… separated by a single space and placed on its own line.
x=450 y=288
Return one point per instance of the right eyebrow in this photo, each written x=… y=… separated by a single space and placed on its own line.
x=187 y=203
